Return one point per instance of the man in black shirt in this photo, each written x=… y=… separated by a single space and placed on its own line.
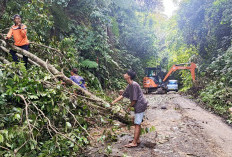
x=135 y=94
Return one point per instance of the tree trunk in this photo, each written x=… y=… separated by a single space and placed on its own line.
x=19 y=55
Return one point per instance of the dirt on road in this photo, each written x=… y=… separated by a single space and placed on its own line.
x=183 y=129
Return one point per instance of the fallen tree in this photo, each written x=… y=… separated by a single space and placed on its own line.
x=46 y=115
x=106 y=108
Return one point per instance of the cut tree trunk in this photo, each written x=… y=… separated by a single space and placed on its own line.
x=19 y=55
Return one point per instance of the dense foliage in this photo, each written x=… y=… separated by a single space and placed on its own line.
x=218 y=92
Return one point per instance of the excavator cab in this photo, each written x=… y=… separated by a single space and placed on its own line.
x=152 y=73
x=152 y=79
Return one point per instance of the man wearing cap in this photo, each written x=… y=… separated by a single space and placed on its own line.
x=135 y=94
x=19 y=32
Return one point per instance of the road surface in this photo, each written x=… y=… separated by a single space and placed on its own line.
x=183 y=129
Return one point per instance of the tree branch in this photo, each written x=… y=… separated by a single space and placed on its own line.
x=78 y=122
x=4 y=60
x=53 y=49
x=45 y=46
x=17 y=149
x=53 y=128
x=5 y=148
x=26 y=110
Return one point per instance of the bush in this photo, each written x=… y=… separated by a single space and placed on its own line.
x=218 y=92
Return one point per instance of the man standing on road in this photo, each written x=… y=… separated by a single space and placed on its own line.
x=135 y=94
x=19 y=32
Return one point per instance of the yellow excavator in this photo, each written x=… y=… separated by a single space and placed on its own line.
x=153 y=80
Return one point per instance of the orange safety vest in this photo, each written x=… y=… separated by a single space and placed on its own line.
x=20 y=35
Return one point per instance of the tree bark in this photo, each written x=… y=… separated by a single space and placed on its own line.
x=19 y=55
x=2 y=59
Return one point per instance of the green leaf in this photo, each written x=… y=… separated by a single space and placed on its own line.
x=47 y=77
x=152 y=129
x=33 y=97
x=17 y=116
x=16 y=78
x=8 y=145
x=1 y=138
x=68 y=125
x=89 y=64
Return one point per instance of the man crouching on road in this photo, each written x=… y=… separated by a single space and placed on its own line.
x=135 y=94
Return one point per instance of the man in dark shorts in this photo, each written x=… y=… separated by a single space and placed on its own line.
x=135 y=94
x=19 y=32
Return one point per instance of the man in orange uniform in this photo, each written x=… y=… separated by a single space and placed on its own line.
x=19 y=32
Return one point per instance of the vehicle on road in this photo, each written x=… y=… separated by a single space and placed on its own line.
x=172 y=85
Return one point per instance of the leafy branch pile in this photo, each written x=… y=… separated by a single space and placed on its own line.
x=42 y=115
x=37 y=115
x=41 y=94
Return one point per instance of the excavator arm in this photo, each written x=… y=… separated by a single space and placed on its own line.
x=192 y=68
